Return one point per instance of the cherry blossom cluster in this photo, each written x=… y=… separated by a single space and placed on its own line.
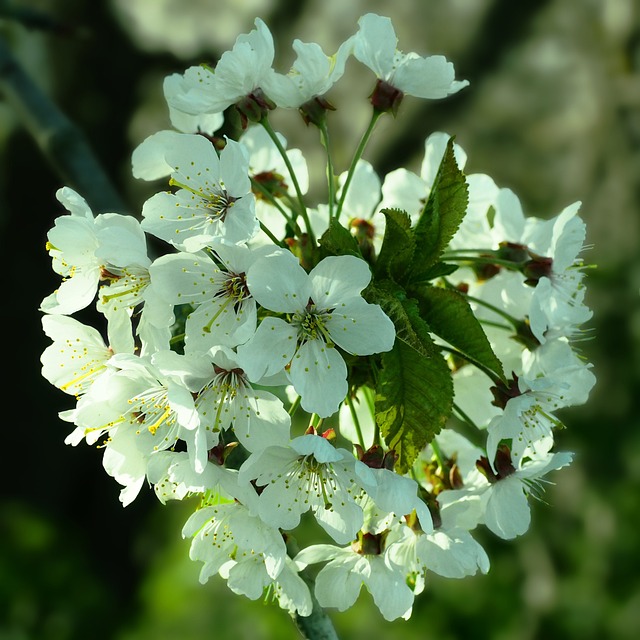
x=383 y=368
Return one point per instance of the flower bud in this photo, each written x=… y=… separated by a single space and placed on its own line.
x=272 y=182
x=503 y=392
x=369 y=544
x=536 y=268
x=254 y=107
x=363 y=231
x=315 y=111
x=386 y=98
x=525 y=336
x=513 y=252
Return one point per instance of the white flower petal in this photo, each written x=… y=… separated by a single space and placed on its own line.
x=264 y=422
x=248 y=578
x=507 y=511
x=269 y=350
x=375 y=44
x=74 y=203
x=431 y=77
x=452 y=554
x=318 y=373
x=390 y=591
x=148 y=160
x=73 y=294
x=337 y=279
x=318 y=447
x=172 y=86
x=234 y=162
x=361 y=328
x=337 y=586
x=342 y=520
x=279 y=283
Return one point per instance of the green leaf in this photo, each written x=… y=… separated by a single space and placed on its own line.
x=438 y=270
x=414 y=394
x=414 y=398
x=441 y=216
x=338 y=241
x=404 y=314
x=398 y=246
x=449 y=316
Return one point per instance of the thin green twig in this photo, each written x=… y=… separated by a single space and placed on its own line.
x=375 y=116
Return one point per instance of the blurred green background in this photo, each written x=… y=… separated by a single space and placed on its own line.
x=553 y=112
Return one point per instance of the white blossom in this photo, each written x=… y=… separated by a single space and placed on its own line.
x=376 y=47
x=213 y=200
x=259 y=322
x=309 y=474
x=502 y=501
x=224 y=312
x=78 y=354
x=85 y=248
x=228 y=538
x=228 y=400
x=339 y=582
x=312 y=75
x=242 y=71
x=324 y=310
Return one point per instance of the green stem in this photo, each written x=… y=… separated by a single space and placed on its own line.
x=296 y=185
x=468 y=428
x=358 y=154
x=324 y=136
x=356 y=422
x=503 y=314
x=496 y=325
x=176 y=339
x=437 y=452
x=464 y=417
x=278 y=243
x=294 y=406
x=274 y=201
x=507 y=264
x=476 y=363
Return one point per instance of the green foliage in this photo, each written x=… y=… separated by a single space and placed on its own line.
x=413 y=400
x=449 y=316
x=338 y=241
x=404 y=313
x=441 y=216
x=414 y=391
x=398 y=246
x=439 y=270
x=414 y=394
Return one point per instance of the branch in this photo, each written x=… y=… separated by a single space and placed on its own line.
x=61 y=142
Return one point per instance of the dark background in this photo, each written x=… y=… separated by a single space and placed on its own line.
x=552 y=111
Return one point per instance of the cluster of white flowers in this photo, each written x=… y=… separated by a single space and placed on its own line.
x=252 y=365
